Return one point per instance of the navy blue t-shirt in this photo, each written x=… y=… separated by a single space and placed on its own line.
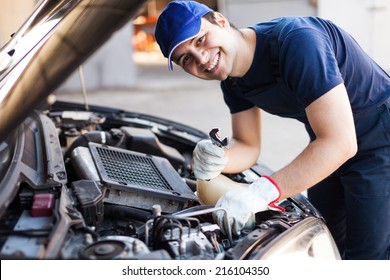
x=314 y=56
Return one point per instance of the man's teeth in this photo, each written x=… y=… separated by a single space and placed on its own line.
x=215 y=61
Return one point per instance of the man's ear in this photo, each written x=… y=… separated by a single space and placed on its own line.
x=221 y=20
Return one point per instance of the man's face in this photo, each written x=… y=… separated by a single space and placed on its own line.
x=210 y=54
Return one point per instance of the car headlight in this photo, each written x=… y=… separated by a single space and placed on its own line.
x=310 y=239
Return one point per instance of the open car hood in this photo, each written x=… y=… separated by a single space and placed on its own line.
x=58 y=37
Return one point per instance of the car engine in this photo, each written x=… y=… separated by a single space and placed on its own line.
x=108 y=184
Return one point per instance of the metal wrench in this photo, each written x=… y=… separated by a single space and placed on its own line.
x=216 y=139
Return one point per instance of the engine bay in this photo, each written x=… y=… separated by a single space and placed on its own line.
x=108 y=184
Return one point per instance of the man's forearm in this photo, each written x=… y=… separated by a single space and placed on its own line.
x=241 y=156
x=316 y=162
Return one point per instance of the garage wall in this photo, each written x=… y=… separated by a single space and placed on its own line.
x=244 y=13
x=367 y=20
x=111 y=66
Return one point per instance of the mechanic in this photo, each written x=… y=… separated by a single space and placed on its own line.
x=304 y=68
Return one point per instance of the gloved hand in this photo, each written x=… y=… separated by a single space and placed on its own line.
x=242 y=203
x=208 y=160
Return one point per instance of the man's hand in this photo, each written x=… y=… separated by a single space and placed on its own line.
x=242 y=203
x=208 y=160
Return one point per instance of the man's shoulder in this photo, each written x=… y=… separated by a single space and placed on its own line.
x=287 y=25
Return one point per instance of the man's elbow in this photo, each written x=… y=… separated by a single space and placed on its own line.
x=348 y=141
x=351 y=148
x=345 y=147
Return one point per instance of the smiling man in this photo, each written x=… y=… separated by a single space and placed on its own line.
x=304 y=68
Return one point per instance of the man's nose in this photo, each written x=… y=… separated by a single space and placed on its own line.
x=202 y=57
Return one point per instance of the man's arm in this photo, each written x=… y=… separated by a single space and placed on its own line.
x=244 y=147
x=331 y=119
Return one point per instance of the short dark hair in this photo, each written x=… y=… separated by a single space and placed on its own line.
x=210 y=16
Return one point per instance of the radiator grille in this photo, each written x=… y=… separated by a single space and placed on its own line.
x=140 y=180
x=130 y=169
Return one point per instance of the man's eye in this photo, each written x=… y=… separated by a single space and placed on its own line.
x=201 y=39
x=185 y=59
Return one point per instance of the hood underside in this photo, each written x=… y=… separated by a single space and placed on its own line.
x=53 y=42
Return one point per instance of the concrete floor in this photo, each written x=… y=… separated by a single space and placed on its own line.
x=180 y=97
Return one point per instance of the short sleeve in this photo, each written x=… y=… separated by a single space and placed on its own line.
x=233 y=100
x=308 y=64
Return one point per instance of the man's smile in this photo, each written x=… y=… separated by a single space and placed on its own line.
x=213 y=63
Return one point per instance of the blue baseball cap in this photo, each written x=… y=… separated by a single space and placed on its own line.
x=178 y=22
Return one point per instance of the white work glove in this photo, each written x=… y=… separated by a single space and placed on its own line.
x=208 y=160
x=242 y=203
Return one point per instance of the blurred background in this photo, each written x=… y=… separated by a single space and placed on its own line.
x=129 y=71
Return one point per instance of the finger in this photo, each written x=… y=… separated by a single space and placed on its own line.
x=213 y=150
x=210 y=160
x=228 y=227
x=218 y=218
x=237 y=226
x=202 y=167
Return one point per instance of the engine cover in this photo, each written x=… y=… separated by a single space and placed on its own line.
x=140 y=180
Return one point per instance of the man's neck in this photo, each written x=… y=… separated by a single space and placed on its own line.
x=246 y=51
